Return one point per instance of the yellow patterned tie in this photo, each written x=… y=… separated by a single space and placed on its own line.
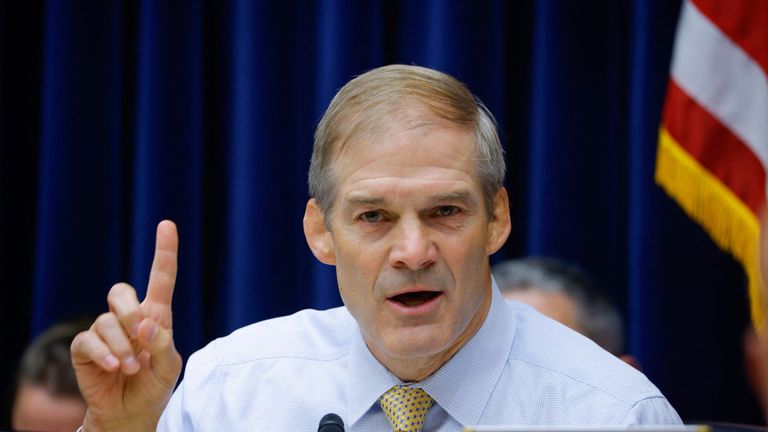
x=406 y=408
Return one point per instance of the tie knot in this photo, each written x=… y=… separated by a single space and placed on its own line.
x=406 y=408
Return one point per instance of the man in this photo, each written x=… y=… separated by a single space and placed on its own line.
x=564 y=293
x=407 y=203
x=47 y=398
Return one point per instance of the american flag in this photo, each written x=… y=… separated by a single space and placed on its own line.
x=712 y=154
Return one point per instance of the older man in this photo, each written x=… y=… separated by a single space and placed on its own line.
x=407 y=203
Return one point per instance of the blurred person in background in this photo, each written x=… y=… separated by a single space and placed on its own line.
x=756 y=346
x=47 y=398
x=566 y=294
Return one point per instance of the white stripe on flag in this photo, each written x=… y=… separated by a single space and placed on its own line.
x=722 y=78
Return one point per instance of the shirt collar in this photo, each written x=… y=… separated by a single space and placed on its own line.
x=367 y=380
x=462 y=386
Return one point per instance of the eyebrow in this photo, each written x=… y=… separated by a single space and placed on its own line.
x=461 y=195
x=362 y=200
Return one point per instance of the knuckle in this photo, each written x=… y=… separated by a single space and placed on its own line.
x=166 y=342
x=129 y=318
x=119 y=291
x=105 y=321
x=116 y=289
x=123 y=302
x=79 y=342
x=86 y=344
x=108 y=328
x=133 y=315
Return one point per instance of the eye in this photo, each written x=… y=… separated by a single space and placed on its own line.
x=446 y=211
x=372 y=216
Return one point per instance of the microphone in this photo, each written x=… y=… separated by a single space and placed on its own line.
x=331 y=423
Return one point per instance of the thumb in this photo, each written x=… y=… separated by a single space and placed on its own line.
x=165 y=360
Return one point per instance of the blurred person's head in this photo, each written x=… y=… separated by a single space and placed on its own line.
x=565 y=293
x=47 y=398
x=756 y=346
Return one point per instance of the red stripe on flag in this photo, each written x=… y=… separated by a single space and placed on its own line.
x=714 y=146
x=745 y=22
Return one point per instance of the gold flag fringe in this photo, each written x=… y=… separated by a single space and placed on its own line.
x=729 y=222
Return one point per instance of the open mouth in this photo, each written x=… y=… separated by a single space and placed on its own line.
x=415 y=298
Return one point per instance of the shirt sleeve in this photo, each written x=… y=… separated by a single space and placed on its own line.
x=192 y=397
x=652 y=411
x=172 y=418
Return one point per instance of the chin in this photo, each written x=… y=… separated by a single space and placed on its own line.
x=416 y=344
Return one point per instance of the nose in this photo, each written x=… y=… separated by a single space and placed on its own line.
x=413 y=247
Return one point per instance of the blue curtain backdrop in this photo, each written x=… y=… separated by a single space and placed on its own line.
x=117 y=114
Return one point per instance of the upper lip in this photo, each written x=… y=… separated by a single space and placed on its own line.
x=413 y=289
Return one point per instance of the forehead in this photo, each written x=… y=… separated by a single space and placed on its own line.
x=411 y=130
x=376 y=124
x=408 y=153
x=36 y=408
x=556 y=305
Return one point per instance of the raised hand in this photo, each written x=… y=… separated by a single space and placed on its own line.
x=126 y=363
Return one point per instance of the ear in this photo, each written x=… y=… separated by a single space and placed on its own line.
x=499 y=226
x=318 y=237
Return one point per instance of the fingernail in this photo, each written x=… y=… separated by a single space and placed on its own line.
x=130 y=364
x=111 y=362
x=153 y=332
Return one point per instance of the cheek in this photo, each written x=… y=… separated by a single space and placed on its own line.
x=467 y=257
x=354 y=283
x=351 y=273
x=472 y=273
x=358 y=264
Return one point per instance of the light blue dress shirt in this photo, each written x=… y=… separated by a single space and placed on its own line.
x=520 y=368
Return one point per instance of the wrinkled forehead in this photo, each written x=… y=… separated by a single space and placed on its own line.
x=375 y=125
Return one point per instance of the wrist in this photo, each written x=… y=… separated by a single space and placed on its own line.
x=127 y=425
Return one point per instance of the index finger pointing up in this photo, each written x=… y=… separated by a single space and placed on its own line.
x=162 y=277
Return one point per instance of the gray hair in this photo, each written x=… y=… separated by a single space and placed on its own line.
x=599 y=319
x=362 y=106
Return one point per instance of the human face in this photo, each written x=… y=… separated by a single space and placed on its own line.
x=410 y=238
x=35 y=409
x=553 y=304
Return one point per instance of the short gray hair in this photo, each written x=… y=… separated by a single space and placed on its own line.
x=598 y=318
x=377 y=95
